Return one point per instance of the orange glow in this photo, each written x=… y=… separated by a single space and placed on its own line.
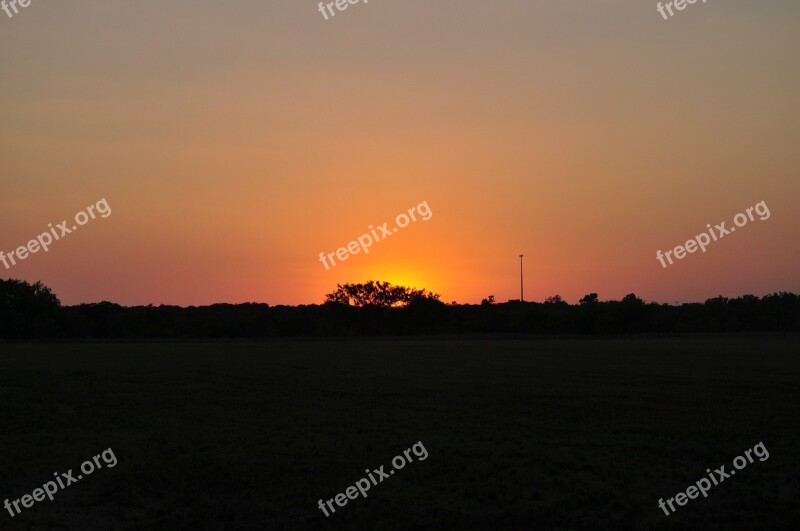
x=234 y=153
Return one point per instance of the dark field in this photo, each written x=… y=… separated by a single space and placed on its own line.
x=521 y=434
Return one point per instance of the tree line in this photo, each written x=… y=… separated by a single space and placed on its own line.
x=32 y=311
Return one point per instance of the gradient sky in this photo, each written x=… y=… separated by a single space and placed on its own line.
x=236 y=141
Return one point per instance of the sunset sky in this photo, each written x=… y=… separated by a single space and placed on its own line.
x=236 y=141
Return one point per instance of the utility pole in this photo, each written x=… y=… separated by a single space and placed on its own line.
x=521 y=292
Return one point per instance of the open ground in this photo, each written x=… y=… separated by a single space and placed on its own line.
x=521 y=433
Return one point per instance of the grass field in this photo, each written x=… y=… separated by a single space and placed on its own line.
x=521 y=434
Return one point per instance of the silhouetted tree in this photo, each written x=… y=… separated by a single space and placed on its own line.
x=589 y=313
x=27 y=310
x=631 y=317
x=381 y=294
x=632 y=299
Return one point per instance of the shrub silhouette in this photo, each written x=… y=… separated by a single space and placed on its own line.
x=381 y=294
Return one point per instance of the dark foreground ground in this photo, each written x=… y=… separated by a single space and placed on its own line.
x=520 y=434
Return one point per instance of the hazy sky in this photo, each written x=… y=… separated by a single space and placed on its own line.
x=235 y=141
